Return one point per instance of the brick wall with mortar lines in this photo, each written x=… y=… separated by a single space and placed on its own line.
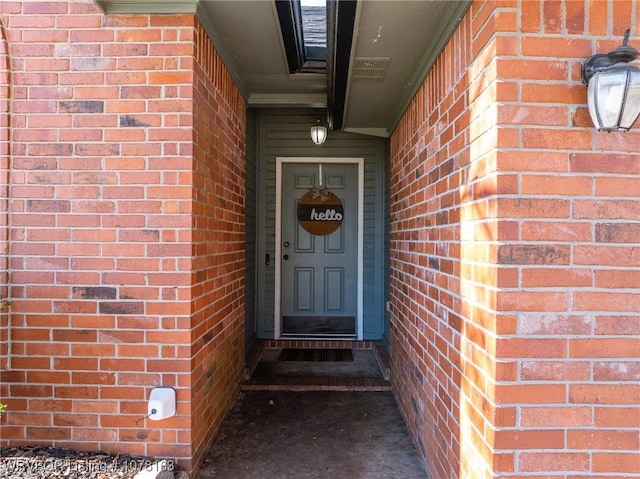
x=218 y=242
x=94 y=199
x=430 y=162
x=570 y=375
x=102 y=232
x=515 y=330
x=4 y=190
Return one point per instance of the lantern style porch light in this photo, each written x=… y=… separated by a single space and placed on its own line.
x=318 y=133
x=613 y=92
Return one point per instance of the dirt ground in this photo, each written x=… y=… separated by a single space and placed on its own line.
x=323 y=434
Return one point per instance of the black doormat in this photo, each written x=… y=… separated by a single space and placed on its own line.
x=328 y=355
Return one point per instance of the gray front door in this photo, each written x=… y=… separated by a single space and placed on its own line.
x=319 y=271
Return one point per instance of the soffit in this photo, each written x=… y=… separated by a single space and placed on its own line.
x=405 y=36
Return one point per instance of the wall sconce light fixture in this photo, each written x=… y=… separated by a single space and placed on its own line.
x=318 y=133
x=613 y=92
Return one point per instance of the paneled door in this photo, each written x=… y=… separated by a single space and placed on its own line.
x=319 y=250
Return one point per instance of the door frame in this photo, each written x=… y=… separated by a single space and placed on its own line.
x=280 y=160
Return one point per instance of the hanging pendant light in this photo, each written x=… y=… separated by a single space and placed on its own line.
x=613 y=92
x=318 y=133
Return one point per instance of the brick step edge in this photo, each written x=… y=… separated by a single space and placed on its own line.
x=384 y=361
x=316 y=387
x=319 y=383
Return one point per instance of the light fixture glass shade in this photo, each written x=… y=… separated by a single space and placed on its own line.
x=318 y=134
x=613 y=97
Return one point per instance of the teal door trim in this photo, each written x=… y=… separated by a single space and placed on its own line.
x=278 y=232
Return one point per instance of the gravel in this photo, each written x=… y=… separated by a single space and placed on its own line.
x=44 y=462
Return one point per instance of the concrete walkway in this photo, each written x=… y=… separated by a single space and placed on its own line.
x=313 y=434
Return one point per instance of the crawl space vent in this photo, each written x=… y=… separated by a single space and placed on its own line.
x=370 y=69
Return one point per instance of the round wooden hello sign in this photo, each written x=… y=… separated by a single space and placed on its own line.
x=320 y=212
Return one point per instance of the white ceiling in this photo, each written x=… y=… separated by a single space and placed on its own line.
x=408 y=34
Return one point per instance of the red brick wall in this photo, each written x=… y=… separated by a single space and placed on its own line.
x=126 y=243
x=4 y=203
x=430 y=162
x=218 y=244
x=514 y=257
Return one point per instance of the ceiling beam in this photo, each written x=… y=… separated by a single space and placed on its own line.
x=291 y=25
x=341 y=17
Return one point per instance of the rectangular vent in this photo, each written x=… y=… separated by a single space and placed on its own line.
x=370 y=69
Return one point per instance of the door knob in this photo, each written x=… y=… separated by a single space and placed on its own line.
x=285 y=257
